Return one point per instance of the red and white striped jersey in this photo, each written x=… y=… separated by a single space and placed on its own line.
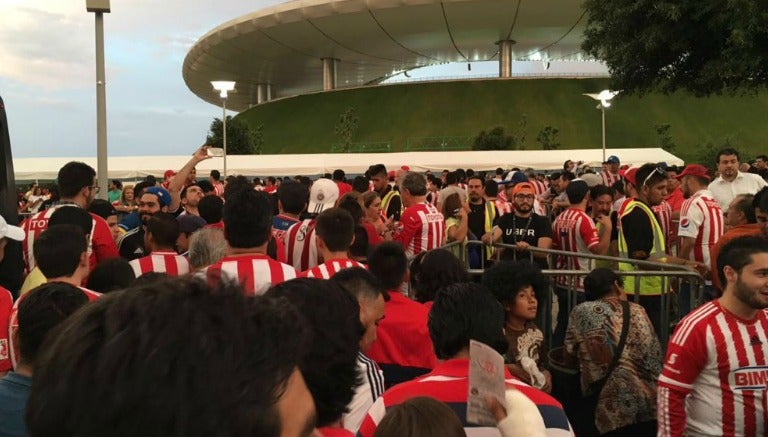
x=329 y=268
x=701 y=218
x=433 y=197
x=715 y=375
x=13 y=323
x=161 y=262
x=538 y=186
x=503 y=207
x=218 y=189
x=301 y=245
x=610 y=178
x=101 y=245
x=663 y=212
x=255 y=272
x=423 y=228
x=574 y=231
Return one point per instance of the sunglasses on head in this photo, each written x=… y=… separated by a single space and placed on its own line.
x=658 y=170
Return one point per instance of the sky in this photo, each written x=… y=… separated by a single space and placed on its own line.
x=47 y=75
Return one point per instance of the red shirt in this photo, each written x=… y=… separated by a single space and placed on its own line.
x=374 y=238
x=6 y=307
x=330 y=431
x=403 y=338
x=423 y=229
x=344 y=188
x=676 y=199
x=715 y=375
x=329 y=268
x=13 y=323
x=255 y=272
x=162 y=262
x=101 y=245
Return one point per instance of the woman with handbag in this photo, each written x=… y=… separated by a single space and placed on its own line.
x=619 y=357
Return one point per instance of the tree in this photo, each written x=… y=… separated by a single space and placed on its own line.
x=241 y=139
x=547 y=137
x=665 y=137
x=703 y=47
x=346 y=128
x=495 y=139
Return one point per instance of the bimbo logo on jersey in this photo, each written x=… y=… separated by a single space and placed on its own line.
x=750 y=378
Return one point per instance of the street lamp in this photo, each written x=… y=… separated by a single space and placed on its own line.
x=604 y=97
x=99 y=7
x=223 y=87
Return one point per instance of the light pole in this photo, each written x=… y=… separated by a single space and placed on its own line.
x=99 y=7
x=604 y=97
x=223 y=87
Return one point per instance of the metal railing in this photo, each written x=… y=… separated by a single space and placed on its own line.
x=567 y=278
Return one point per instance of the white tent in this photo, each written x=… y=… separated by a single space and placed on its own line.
x=136 y=167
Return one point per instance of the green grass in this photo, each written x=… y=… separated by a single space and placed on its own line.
x=395 y=113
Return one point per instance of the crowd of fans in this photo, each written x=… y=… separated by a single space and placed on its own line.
x=294 y=307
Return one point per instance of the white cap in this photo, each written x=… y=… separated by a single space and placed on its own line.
x=323 y=194
x=9 y=231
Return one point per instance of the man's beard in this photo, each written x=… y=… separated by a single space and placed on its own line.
x=523 y=209
x=748 y=296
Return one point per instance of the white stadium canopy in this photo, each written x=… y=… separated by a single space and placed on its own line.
x=136 y=167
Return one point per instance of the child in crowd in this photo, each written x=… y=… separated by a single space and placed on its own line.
x=516 y=285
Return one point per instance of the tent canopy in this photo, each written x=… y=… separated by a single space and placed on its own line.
x=136 y=167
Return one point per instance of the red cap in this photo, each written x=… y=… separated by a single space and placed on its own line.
x=169 y=173
x=629 y=174
x=694 y=170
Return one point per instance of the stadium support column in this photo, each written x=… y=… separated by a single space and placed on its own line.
x=263 y=93
x=505 y=57
x=329 y=73
x=99 y=8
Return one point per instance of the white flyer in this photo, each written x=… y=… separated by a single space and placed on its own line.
x=486 y=377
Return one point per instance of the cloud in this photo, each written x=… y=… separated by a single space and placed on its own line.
x=45 y=49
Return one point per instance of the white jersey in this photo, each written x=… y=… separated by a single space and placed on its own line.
x=701 y=218
x=715 y=375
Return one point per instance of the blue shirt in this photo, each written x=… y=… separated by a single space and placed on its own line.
x=14 y=392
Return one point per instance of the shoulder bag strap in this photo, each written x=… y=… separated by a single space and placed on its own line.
x=597 y=386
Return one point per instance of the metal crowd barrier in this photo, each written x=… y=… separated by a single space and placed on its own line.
x=672 y=278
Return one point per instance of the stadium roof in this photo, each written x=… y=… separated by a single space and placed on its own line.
x=284 y=45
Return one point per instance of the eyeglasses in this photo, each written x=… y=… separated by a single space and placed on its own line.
x=96 y=189
x=658 y=170
x=524 y=196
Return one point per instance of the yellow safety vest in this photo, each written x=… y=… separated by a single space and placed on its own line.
x=387 y=199
x=490 y=216
x=649 y=285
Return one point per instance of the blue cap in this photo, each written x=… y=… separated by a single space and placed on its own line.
x=515 y=177
x=613 y=159
x=163 y=196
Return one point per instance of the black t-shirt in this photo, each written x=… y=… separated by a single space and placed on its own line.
x=476 y=219
x=514 y=229
x=638 y=232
